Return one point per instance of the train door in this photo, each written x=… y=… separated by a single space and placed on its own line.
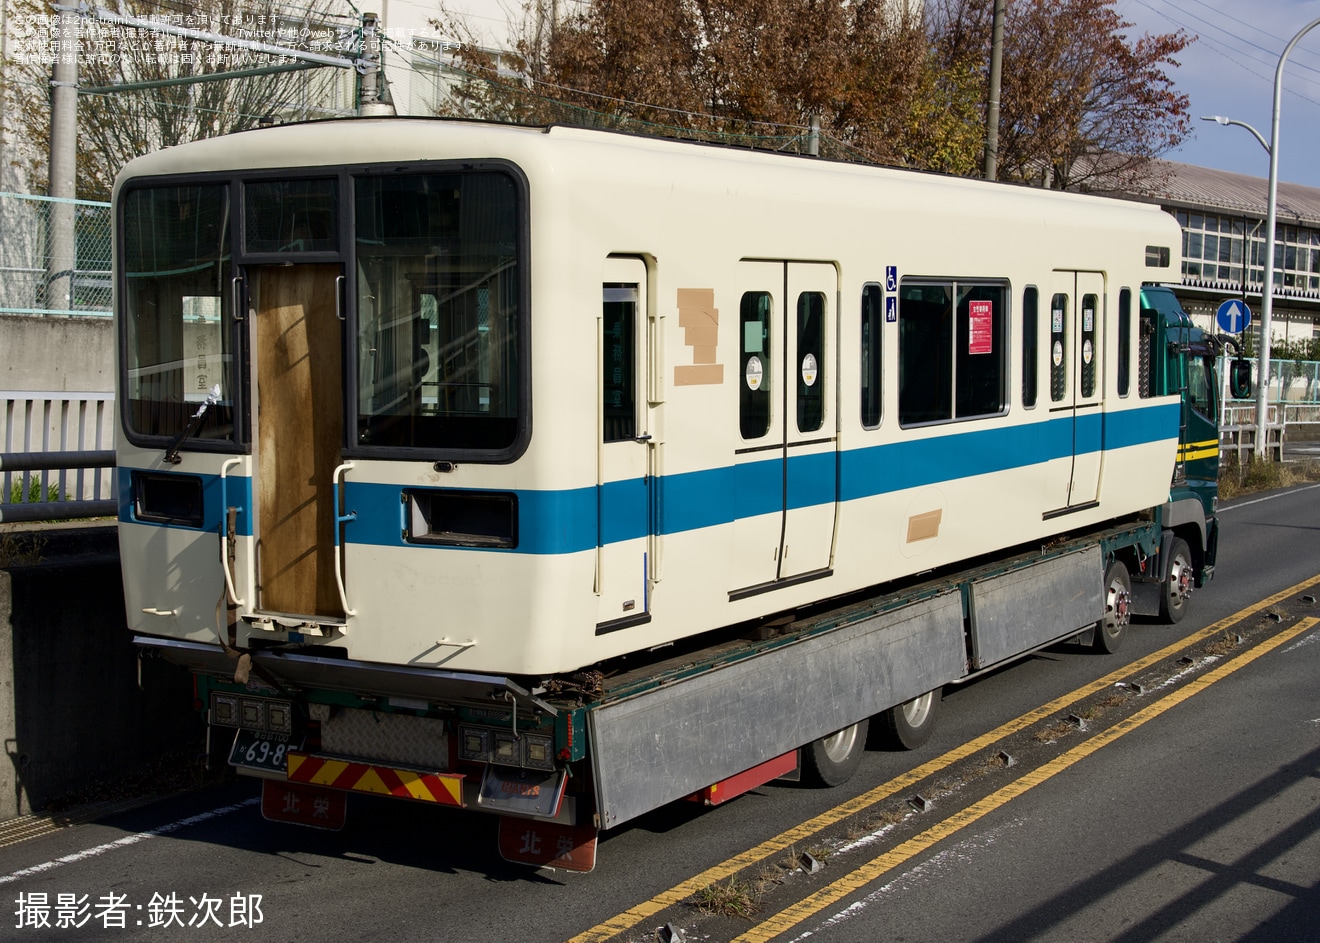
x=624 y=491
x=1076 y=348
x=298 y=435
x=785 y=490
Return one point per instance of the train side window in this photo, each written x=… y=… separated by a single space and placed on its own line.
x=925 y=353
x=951 y=351
x=1058 y=347
x=981 y=350
x=811 y=361
x=1030 y=345
x=873 y=304
x=619 y=376
x=1124 y=341
x=754 y=390
x=1090 y=310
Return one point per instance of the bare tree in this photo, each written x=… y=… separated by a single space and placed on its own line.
x=116 y=125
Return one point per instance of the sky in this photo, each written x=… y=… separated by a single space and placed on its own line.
x=1229 y=70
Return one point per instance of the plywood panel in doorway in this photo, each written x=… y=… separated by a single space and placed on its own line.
x=300 y=436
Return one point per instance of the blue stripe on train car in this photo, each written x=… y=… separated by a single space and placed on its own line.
x=575 y=520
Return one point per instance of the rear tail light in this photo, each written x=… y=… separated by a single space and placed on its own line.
x=261 y=714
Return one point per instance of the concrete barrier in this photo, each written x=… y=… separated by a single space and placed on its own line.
x=71 y=709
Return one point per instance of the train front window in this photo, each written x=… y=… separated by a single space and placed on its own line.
x=176 y=311
x=438 y=292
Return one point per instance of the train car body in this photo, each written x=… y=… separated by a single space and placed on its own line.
x=520 y=401
x=416 y=409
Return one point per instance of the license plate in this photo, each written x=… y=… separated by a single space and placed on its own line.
x=264 y=752
x=522 y=791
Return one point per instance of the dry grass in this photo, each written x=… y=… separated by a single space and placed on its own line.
x=1250 y=477
x=1053 y=732
x=731 y=898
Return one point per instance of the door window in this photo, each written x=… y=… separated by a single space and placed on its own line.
x=811 y=361
x=754 y=390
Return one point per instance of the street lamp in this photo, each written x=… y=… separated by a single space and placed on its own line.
x=1267 y=290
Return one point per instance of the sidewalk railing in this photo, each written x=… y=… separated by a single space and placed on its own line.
x=56 y=456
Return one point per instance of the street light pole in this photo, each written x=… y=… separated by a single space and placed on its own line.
x=1267 y=293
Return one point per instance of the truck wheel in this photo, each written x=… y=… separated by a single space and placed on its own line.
x=831 y=761
x=1112 y=629
x=1177 y=582
x=908 y=726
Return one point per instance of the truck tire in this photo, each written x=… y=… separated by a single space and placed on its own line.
x=831 y=761
x=907 y=726
x=1178 y=582
x=1112 y=629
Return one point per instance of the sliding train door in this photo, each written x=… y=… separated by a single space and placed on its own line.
x=786 y=459
x=624 y=485
x=1076 y=350
x=297 y=435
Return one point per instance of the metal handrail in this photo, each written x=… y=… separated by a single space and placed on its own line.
x=35 y=511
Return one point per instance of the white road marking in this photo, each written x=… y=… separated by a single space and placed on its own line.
x=127 y=840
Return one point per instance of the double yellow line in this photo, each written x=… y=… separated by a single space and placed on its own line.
x=888 y=860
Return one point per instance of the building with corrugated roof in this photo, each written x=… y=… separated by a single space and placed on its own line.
x=1222 y=216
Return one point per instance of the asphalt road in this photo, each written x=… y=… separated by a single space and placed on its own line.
x=1179 y=805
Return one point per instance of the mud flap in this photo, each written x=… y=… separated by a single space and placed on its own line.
x=299 y=804
x=548 y=844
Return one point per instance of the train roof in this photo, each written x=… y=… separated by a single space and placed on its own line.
x=361 y=141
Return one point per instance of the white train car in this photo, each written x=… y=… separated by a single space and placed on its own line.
x=512 y=400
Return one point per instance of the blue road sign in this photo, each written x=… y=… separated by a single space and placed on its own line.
x=1233 y=317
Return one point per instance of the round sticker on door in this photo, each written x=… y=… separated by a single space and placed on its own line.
x=753 y=374
x=1086 y=351
x=809 y=370
x=1058 y=353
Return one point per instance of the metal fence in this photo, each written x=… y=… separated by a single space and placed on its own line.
x=25 y=256
x=56 y=456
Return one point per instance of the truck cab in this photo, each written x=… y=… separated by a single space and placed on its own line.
x=1177 y=357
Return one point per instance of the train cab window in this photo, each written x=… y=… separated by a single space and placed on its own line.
x=873 y=304
x=291 y=216
x=754 y=390
x=619 y=373
x=1124 y=342
x=1030 y=345
x=439 y=314
x=176 y=312
x=1058 y=347
x=811 y=361
x=1090 y=310
x=952 y=356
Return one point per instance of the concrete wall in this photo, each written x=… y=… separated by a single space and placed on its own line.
x=57 y=354
x=71 y=711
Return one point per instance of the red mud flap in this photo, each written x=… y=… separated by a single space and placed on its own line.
x=303 y=805
x=548 y=844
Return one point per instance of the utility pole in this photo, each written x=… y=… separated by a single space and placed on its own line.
x=992 y=107
x=61 y=238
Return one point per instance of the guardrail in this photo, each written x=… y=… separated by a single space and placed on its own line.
x=74 y=509
x=56 y=460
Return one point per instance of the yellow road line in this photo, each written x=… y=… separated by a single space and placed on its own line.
x=881 y=864
x=621 y=923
